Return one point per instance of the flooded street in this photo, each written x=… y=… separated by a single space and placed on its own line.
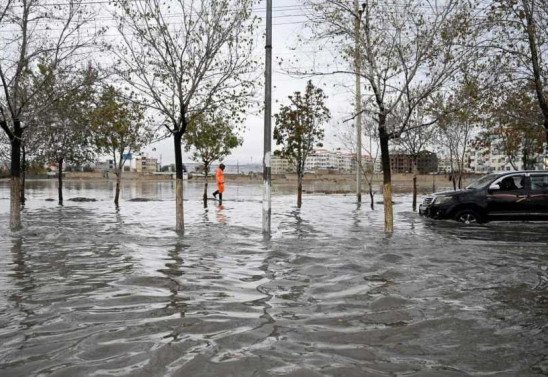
x=86 y=290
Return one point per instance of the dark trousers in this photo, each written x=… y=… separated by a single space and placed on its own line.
x=216 y=192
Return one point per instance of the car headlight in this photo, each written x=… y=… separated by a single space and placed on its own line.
x=442 y=199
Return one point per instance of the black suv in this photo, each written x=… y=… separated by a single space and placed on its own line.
x=521 y=195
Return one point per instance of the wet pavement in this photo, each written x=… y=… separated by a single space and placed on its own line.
x=86 y=290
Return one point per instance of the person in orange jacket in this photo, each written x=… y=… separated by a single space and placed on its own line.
x=220 y=178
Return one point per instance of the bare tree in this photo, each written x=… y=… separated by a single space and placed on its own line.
x=409 y=50
x=38 y=32
x=370 y=147
x=119 y=128
x=186 y=57
x=414 y=141
x=458 y=115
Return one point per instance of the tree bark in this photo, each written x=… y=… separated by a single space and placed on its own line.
x=371 y=196
x=539 y=87
x=118 y=184
x=60 y=180
x=387 y=176
x=205 y=187
x=179 y=215
x=414 y=184
x=15 y=190
x=299 y=190
x=23 y=173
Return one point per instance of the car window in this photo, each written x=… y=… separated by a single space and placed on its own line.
x=486 y=179
x=539 y=182
x=511 y=183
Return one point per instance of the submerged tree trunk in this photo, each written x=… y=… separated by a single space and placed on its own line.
x=179 y=214
x=205 y=186
x=414 y=184
x=387 y=176
x=299 y=190
x=371 y=196
x=23 y=173
x=118 y=173
x=15 y=172
x=60 y=181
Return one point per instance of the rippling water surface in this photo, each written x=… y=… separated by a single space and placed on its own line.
x=86 y=290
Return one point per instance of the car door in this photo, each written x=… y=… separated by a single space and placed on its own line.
x=538 y=196
x=508 y=200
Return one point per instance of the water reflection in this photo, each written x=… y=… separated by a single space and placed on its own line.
x=220 y=214
x=22 y=276
x=177 y=302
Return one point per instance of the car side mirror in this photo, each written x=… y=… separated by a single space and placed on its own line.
x=494 y=186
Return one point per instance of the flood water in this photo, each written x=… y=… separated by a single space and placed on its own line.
x=86 y=290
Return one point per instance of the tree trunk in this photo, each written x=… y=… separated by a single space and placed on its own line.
x=453 y=179
x=371 y=196
x=387 y=177
x=299 y=190
x=414 y=185
x=537 y=79
x=60 y=180
x=524 y=160
x=205 y=187
x=15 y=190
x=179 y=215
x=118 y=173
x=23 y=173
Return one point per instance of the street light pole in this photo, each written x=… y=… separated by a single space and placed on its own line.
x=267 y=173
x=357 y=63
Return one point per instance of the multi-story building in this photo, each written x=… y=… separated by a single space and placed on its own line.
x=107 y=165
x=400 y=163
x=487 y=160
x=322 y=160
x=279 y=165
x=446 y=165
x=146 y=164
x=427 y=162
x=346 y=161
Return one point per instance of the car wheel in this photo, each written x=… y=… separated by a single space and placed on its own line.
x=468 y=216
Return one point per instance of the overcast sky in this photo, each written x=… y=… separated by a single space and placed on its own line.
x=289 y=19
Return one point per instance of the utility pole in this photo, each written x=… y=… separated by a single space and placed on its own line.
x=267 y=173
x=357 y=63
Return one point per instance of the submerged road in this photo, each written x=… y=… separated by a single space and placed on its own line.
x=86 y=290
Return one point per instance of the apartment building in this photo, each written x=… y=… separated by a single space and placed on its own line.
x=279 y=165
x=427 y=162
x=488 y=160
x=146 y=164
x=322 y=160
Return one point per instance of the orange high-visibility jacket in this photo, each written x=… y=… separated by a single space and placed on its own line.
x=220 y=177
